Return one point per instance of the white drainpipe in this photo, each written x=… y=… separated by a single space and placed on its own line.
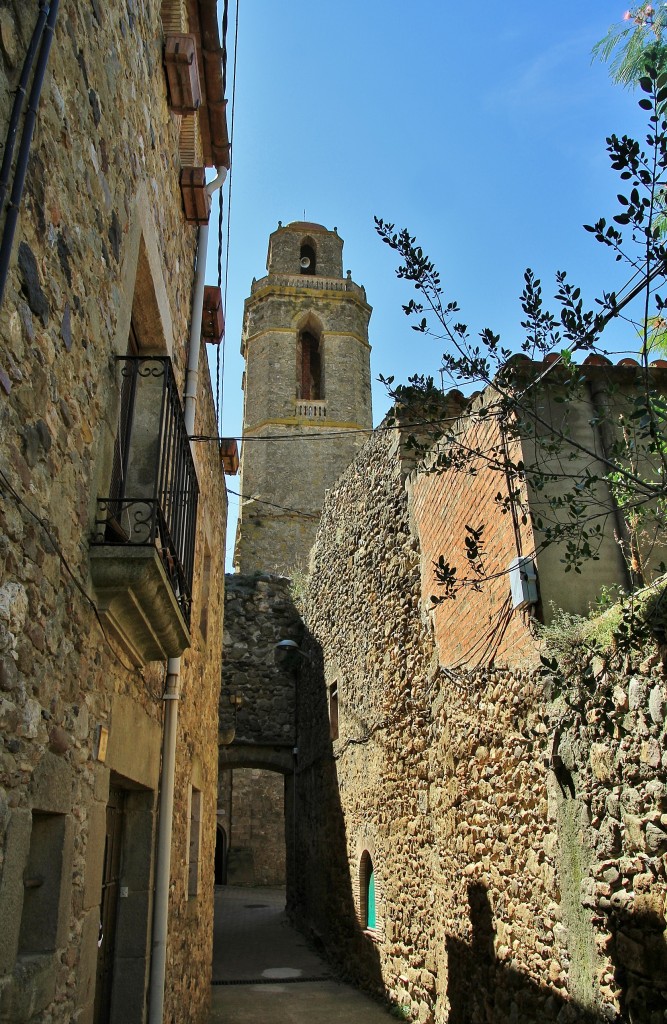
x=172 y=686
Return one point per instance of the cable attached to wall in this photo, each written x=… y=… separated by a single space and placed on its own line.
x=19 y=98
x=58 y=551
x=45 y=39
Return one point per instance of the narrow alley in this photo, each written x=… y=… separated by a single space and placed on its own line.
x=263 y=970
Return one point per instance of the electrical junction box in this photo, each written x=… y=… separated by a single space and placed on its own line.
x=523 y=582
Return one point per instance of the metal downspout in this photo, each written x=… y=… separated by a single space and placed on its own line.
x=172 y=687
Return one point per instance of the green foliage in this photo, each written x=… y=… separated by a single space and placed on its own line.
x=401 y=1011
x=614 y=630
x=298 y=578
x=567 y=637
x=635 y=44
x=572 y=479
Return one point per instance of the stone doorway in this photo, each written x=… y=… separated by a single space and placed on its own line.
x=109 y=905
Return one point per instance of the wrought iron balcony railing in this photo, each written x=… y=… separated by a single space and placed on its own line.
x=153 y=491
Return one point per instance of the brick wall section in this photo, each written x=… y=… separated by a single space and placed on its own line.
x=101 y=209
x=506 y=891
x=477 y=624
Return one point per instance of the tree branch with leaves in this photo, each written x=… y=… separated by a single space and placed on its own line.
x=576 y=484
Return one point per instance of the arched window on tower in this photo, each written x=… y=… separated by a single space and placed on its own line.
x=307 y=257
x=310 y=378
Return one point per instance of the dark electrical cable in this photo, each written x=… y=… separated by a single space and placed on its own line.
x=340 y=432
x=24 y=147
x=283 y=508
x=44 y=524
x=19 y=98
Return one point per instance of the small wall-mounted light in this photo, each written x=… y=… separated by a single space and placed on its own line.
x=288 y=645
x=286 y=650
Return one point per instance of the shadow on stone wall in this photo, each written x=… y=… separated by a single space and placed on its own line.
x=482 y=990
x=320 y=899
x=638 y=949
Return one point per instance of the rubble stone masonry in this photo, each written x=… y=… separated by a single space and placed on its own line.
x=517 y=837
x=101 y=238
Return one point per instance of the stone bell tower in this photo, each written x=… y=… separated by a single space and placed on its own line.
x=307 y=393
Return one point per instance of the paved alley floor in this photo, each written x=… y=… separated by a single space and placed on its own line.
x=268 y=973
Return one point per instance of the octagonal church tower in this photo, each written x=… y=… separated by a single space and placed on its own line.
x=307 y=394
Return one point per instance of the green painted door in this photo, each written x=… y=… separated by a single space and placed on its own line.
x=371 y=901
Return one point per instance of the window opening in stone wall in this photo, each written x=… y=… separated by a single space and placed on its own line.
x=333 y=711
x=367 y=891
x=194 y=843
x=41 y=885
x=307 y=258
x=310 y=385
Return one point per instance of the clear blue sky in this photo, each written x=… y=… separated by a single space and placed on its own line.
x=481 y=127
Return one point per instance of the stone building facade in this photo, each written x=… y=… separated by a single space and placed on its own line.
x=475 y=840
x=102 y=581
x=307 y=412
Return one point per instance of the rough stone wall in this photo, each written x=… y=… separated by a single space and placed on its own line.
x=257 y=839
x=101 y=221
x=518 y=852
x=259 y=613
x=285 y=249
x=607 y=793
